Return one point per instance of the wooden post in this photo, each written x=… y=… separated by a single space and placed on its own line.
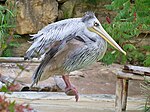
x=125 y=94
x=118 y=101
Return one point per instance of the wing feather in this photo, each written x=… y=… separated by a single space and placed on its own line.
x=51 y=33
x=56 y=47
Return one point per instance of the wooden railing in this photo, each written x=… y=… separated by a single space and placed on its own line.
x=17 y=60
x=128 y=73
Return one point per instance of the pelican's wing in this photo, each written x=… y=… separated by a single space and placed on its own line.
x=60 y=48
x=51 y=33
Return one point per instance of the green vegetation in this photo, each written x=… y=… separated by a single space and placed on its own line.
x=129 y=22
x=7 y=25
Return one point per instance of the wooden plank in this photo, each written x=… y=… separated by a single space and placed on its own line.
x=17 y=60
x=118 y=101
x=137 y=70
x=125 y=94
x=130 y=76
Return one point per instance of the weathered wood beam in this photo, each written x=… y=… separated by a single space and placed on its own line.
x=137 y=70
x=17 y=60
x=128 y=73
x=130 y=76
x=125 y=94
x=119 y=90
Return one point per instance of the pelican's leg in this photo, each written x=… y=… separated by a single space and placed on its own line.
x=70 y=90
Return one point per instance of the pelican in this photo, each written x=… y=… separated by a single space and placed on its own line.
x=69 y=45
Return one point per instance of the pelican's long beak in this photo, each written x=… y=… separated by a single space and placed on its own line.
x=102 y=33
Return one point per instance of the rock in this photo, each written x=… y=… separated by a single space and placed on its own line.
x=60 y=82
x=68 y=8
x=32 y=15
x=79 y=10
x=76 y=74
x=22 y=48
x=100 y=11
x=60 y=15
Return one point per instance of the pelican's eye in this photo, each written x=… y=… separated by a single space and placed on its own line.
x=96 y=24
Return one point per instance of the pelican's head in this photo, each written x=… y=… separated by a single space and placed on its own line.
x=93 y=25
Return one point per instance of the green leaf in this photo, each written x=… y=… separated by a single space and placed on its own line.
x=129 y=47
x=126 y=36
x=147 y=61
x=146 y=47
x=4 y=89
x=14 y=44
x=123 y=59
x=3 y=46
x=17 y=36
x=11 y=106
x=21 y=67
x=109 y=7
x=7 y=53
x=109 y=58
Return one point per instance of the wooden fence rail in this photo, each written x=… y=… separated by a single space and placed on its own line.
x=17 y=60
